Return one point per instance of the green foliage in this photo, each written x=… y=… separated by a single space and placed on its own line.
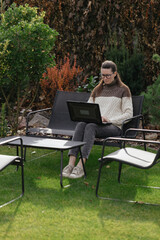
x=89 y=85
x=151 y=106
x=156 y=58
x=3 y=122
x=3 y=59
x=130 y=65
x=84 y=27
x=15 y=16
x=28 y=53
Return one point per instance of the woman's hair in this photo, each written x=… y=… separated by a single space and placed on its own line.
x=107 y=65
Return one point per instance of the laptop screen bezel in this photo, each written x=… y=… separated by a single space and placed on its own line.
x=84 y=112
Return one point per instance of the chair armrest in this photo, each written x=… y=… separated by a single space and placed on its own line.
x=131 y=140
x=142 y=130
x=124 y=140
x=34 y=112
x=134 y=139
x=140 y=116
x=7 y=140
x=129 y=119
x=37 y=111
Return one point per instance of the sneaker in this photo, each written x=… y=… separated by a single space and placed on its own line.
x=67 y=171
x=77 y=172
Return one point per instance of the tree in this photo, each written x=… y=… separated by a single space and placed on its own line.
x=25 y=46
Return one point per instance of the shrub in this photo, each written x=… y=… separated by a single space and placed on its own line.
x=88 y=85
x=63 y=76
x=151 y=106
x=29 y=44
x=4 y=67
x=84 y=27
x=3 y=122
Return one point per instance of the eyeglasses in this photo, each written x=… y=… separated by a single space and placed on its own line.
x=106 y=75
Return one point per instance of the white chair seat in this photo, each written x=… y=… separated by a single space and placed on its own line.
x=5 y=160
x=132 y=156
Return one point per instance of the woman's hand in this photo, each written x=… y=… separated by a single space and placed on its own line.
x=104 y=119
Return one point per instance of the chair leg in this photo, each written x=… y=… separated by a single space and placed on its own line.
x=98 y=180
x=22 y=176
x=25 y=150
x=81 y=157
x=116 y=199
x=17 y=153
x=119 y=173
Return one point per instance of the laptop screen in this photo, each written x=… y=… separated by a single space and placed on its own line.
x=84 y=112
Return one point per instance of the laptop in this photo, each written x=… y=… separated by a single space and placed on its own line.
x=85 y=112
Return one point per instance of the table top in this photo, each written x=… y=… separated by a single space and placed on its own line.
x=50 y=143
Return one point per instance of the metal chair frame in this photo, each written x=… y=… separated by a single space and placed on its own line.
x=115 y=157
x=6 y=160
x=60 y=125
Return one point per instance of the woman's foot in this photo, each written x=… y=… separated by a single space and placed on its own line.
x=67 y=171
x=77 y=172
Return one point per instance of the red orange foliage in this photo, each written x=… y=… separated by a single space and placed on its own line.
x=61 y=77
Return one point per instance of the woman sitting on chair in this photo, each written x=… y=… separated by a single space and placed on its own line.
x=115 y=102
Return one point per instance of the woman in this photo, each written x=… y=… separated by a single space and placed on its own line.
x=115 y=102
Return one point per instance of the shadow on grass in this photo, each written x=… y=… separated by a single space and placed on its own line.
x=10 y=217
x=134 y=183
x=43 y=191
x=109 y=184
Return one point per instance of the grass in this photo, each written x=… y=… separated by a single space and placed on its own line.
x=48 y=212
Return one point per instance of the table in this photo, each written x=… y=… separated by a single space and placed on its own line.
x=50 y=143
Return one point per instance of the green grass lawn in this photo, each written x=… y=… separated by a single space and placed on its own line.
x=48 y=212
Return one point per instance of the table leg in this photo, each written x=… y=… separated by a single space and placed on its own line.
x=17 y=150
x=61 y=177
x=25 y=149
x=24 y=152
x=82 y=162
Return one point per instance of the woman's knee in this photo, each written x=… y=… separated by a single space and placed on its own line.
x=80 y=125
x=90 y=127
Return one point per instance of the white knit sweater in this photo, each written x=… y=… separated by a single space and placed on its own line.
x=115 y=103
